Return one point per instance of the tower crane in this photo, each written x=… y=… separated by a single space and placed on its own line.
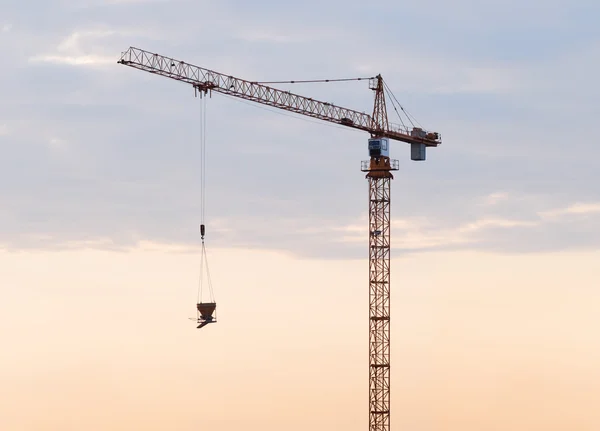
x=378 y=170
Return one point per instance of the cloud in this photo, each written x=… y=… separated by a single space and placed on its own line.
x=263 y=35
x=443 y=74
x=5 y=28
x=83 y=60
x=3 y=130
x=57 y=144
x=536 y=231
x=483 y=224
x=116 y=3
x=83 y=48
x=288 y=34
x=119 y=2
x=577 y=209
x=495 y=198
x=132 y=166
x=483 y=80
x=317 y=237
x=422 y=234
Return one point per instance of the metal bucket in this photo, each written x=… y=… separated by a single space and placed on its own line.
x=206 y=310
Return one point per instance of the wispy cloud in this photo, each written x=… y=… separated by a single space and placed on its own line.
x=83 y=48
x=495 y=198
x=424 y=234
x=5 y=28
x=264 y=35
x=96 y=3
x=117 y=2
x=290 y=34
x=482 y=224
x=444 y=74
x=533 y=230
x=3 y=130
x=57 y=144
x=477 y=80
x=578 y=209
x=81 y=60
x=132 y=158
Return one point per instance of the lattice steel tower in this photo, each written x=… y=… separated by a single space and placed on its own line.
x=379 y=174
x=379 y=177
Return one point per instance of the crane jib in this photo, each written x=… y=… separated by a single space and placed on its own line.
x=207 y=80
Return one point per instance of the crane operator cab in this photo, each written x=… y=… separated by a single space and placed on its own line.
x=379 y=147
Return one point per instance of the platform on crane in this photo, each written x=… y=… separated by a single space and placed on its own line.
x=379 y=167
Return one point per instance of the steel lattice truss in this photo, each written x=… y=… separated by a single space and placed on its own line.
x=207 y=80
x=379 y=303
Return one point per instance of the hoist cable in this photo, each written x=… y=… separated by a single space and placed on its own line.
x=203 y=256
x=203 y=161
x=201 y=280
x=201 y=275
x=208 y=279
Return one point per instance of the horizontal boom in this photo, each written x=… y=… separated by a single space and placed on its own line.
x=207 y=80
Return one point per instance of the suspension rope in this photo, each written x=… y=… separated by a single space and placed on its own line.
x=208 y=279
x=311 y=80
x=394 y=106
x=408 y=115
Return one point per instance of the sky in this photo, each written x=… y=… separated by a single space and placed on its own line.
x=495 y=238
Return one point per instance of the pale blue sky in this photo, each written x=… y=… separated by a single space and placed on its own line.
x=96 y=151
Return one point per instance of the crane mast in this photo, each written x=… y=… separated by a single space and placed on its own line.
x=378 y=170
x=379 y=299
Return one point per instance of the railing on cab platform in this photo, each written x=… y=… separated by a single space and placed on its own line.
x=399 y=129
x=415 y=131
x=365 y=165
